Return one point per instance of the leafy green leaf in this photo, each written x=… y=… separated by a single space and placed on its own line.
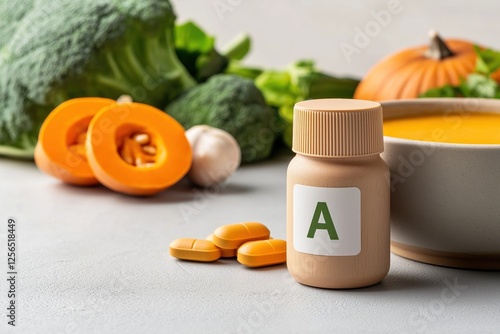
x=300 y=81
x=488 y=60
x=276 y=86
x=444 y=91
x=238 y=48
x=481 y=86
x=475 y=85
x=190 y=37
x=237 y=68
x=196 y=50
x=286 y=114
x=302 y=74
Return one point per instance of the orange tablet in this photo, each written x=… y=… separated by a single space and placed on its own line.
x=262 y=253
x=233 y=236
x=194 y=250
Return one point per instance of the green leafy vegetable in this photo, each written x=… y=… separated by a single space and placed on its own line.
x=300 y=81
x=196 y=50
x=238 y=48
x=233 y=104
x=488 y=60
x=479 y=84
x=237 y=68
x=444 y=91
x=61 y=49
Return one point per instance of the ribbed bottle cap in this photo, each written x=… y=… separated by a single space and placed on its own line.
x=337 y=128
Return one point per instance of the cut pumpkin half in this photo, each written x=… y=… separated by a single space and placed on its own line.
x=136 y=149
x=60 y=150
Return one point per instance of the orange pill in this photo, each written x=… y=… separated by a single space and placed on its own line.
x=233 y=236
x=194 y=250
x=262 y=253
x=225 y=252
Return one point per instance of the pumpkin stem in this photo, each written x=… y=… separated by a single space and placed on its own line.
x=438 y=49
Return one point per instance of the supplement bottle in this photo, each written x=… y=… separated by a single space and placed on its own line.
x=338 y=195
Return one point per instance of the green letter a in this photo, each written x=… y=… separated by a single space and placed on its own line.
x=322 y=208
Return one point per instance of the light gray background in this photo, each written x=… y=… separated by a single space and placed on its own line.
x=92 y=261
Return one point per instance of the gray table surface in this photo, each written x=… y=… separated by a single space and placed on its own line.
x=94 y=261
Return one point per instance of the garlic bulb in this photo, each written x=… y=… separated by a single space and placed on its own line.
x=216 y=155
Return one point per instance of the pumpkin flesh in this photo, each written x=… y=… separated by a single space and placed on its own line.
x=60 y=148
x=114 y=126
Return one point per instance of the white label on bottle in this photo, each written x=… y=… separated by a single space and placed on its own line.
x=327 y=221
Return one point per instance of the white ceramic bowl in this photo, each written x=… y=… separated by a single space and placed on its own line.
x=445 y=198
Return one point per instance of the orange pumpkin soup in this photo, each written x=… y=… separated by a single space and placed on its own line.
x=471 y=128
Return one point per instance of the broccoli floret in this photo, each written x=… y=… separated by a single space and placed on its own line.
x=11 y=12
x=235 y=105
x=61 y=49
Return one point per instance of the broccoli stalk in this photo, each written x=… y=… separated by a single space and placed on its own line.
x=62 y=49
x=147 y=69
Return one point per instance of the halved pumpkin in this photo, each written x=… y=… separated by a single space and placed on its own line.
x=60 y=150
x=136 y=149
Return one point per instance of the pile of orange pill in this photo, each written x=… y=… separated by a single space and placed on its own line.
x=249 y=242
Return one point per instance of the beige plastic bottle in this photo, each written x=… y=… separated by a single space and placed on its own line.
x=338 y=195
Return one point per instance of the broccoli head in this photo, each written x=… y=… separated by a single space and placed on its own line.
x=11 y=12
x=62 y=49
x=233 y=104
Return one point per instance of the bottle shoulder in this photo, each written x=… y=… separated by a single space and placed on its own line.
x=315 y=163
x=335 y=171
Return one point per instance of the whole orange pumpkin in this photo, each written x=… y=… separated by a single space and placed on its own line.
x=410 y=72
